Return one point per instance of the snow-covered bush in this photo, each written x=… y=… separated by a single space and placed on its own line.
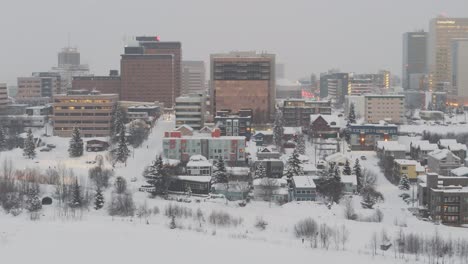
x=260 y=223
x=306 y=228
x=177 y=211
x=220 y=218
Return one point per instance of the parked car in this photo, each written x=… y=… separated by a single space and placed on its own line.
x=45 y=149
x=363 y=157
x=51 y=146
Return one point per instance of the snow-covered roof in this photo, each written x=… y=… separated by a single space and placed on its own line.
x=303 y=182
x=332 y=120
x=349 y=179
x=303 y=158
x=292 y=130
x=446 y=142
x=270 y=182
x=194 y=178
x=420 y=168
x=336 y=157
x=461 y=171
x=238 y=170
x=185 y=126
x=308 y=167
x=457 y=147
x=442 y=153
x=233 y=186
x=198 y=161
x=406 y=162
x=390 y=146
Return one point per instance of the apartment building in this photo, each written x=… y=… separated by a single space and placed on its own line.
x=411 y=168
x=190 y=110
x=442 y=161
x=90 y=112
x=296 y=112
x=389 y=108
x=444 y=198
x=3 y=97
x=235 y=124
x=212 y=146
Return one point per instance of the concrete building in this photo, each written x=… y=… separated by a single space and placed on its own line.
x=445 y=199
x=459 y=71
x=190 y=110
x=360 y=86
x=105 y=84
x=231 y=148
x=296 y=112
x=235 y=124
x=69 y=66
x=365 y=137
x=3 y=97
x=442 y=31
x=414 y=59
x=334 y=85
x=389 y=108
x=242 y=80
x=151 y=71
x=193 y=77
x=90 y=112
x=68 y=56
x=29 y=87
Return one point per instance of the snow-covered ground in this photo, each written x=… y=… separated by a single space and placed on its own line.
x=99 y=238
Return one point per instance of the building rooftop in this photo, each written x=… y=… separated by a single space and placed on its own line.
x=442 y=153
x=332 y=120
x=303 y=182
x=198 y=161
x=390 y=146
x=461 y=171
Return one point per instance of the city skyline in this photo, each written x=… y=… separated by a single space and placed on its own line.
x=356 y=37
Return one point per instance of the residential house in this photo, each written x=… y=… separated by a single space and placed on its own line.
x=349 y=183
x=442 y=161
x=304 y=188
x=185 y=130
x=411 y=168
x=324 y=126
x=274 y=167
x=460 y=172
x=263 y=137
x=444 y=143
x=420 y=148
x=233 y=191
x=199 y=166
x=458 y=149
x=271 y=189
x=444 y=198
x=195 y=184
x=390 y=149
x=267 y=153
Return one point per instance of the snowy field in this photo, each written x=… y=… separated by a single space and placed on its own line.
x=96 y=237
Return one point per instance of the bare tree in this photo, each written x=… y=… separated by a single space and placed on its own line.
x=349 y=211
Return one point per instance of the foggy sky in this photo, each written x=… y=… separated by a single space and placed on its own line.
x=307 y=35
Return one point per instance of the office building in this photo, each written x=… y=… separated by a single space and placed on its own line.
x=90 y=112
x=230 y=148
x=69 y=66
x=460 y=71
x=29 y=87
x=234 y=124
x=296 y=112
x=414 y=59
x=105 y=84
x=360 y=85
x=244 y=80
x=193 y=77
x=151 y=71
x=389 y=108
x=190 y=110
x=442 y=31
x=334 y=85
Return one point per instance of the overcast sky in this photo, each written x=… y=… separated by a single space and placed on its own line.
x=309 y=36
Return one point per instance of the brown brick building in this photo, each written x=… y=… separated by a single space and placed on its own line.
x=90 y=112
x=151 y=71
x=104 y=84
x=242 y=80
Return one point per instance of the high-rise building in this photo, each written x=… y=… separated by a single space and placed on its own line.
x=193 y=77
x=388 y=108
x=460 y=70
x=68 y=56
x=69 y=66
x=334 y=85
x=190 y=110
x=29 y=87
x=3 y=96
x=244 y=80
x=90 y=112
x=104 y=84
x=414 y=59
x=442 y=31
x=151 y=71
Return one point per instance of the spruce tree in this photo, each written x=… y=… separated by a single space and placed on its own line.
x=157 y=177
x=219 y=172
x=76 y=144
x=347 y=168
x=351 y=114
x=118 y=120
x=300 y=144
x=29 y=149
x=3 y=145
x=122 y=152
x=294 y=167
x=260 y=171
x=33 y=203
x=77 y=198
x=98 y=199
x=278 y=130
x=404 y=183
x=359 y=175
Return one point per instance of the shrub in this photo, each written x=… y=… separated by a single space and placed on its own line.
x=221 y=218
x=177 y=211
x=306 y=228
x=261 y=223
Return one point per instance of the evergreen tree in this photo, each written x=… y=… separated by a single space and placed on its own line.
x=331 y=186
x=278 y=129
x=404 y=183
x=77 y=198
x=359 y=175
x=118 y=120
x=219 y=172
x=122 y=152
x=351 y=114
x=157 y=177
x=300 y=144
x=294 y=167
x=173 y=223
x=347 y=168
x=33 y=203
x=76 y=144
x=29 y=149
x=3 y=145
x=260 y=171
x=98 y=199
